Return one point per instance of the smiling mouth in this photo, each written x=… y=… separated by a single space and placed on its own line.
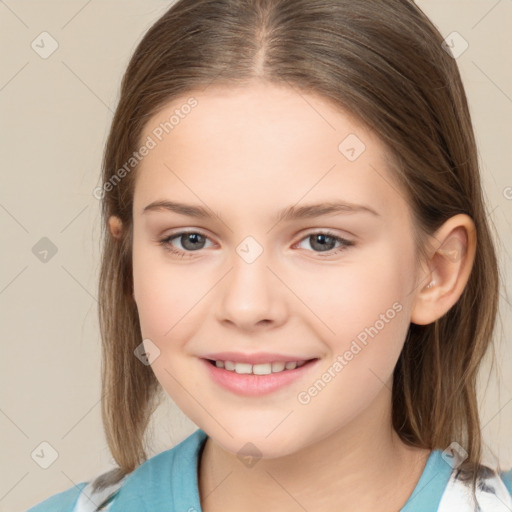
x=260 y=368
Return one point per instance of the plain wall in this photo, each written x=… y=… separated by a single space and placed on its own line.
x=55 y=115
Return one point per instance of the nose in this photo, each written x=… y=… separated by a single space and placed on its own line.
x=251 y=296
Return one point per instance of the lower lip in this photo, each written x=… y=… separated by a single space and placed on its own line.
x=255 y=385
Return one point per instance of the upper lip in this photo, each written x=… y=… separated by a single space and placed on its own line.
x=255 y=358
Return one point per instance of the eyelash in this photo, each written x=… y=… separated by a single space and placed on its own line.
x=166 y=243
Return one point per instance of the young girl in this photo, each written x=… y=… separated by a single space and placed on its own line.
x=326 y=331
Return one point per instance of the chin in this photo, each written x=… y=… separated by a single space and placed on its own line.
x=256 y=441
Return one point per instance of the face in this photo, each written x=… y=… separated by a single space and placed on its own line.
x=311 y=308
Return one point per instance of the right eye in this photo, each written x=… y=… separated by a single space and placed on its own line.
x=191 y=241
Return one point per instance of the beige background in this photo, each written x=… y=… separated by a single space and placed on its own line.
x=55 y=115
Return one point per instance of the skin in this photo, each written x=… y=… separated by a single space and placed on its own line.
x=247 y=153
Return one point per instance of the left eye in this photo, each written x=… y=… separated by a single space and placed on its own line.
x=193 y=241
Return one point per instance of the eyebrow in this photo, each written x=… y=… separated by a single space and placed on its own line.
x=291 y=213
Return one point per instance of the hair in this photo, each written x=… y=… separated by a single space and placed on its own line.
x=382 y=62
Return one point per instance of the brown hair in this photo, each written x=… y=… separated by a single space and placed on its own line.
x=381 y=61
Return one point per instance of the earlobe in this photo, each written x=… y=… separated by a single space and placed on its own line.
x=450 y=264
x=115 y=226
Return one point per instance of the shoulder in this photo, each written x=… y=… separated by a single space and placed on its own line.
x=493 y=492
x=61 y=502
x=81 y=498
x=149 y=480
x=506 y=476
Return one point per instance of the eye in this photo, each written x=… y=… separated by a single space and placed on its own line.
x=326 y=241
x=191 y=241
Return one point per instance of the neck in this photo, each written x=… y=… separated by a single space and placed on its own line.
x=363 y=465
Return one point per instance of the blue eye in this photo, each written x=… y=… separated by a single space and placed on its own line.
x=193 y=241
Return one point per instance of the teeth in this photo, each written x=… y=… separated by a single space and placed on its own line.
x=277 y=367
x=262 y=369
x=259 y=369
x=229 y=365
x=243 y=368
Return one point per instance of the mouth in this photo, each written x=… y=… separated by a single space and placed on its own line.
x=257 y=378
x=259 y=368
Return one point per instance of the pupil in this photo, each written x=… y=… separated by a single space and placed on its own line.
x=193 y=239
x=323 y=241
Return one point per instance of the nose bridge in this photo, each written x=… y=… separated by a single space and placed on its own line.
x=251 y=292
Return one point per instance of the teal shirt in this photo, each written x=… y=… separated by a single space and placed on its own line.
x=168 y=482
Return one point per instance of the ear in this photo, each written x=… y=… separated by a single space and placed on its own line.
x=449 y=267
x=115 y=226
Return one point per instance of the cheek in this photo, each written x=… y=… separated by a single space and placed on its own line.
x=353 y=296
x=164 y=294
x=369 y=314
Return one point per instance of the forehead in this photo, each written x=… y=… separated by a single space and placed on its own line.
x=262 y=146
